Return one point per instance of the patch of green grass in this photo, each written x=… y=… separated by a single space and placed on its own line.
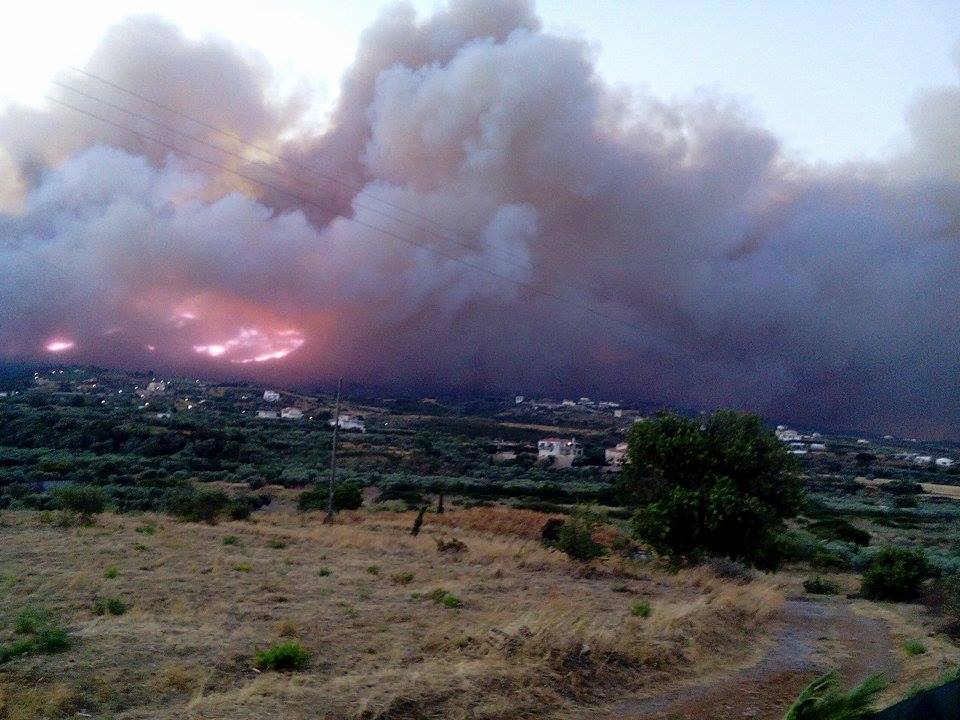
x=440 y=597
x=112 y=572
x=324 y=572
x=43 y=636
x=373 y=570
x=111 y=605
x=284 y=657
x=401 y=578
x=230 y=540
x=640 y=608
x=914 y=647
x=140 y=547
x=276 y=544
x=242 y=567
x=820 y=586
x=352 y=613
x=148 y=528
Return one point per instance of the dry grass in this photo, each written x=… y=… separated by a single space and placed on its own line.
x=535 y=635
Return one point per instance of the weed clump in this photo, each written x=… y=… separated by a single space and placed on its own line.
x=285 y=657
x=640 y=608
x=109 y=605
x=401 y=578
x=230 y=540
x=112 y=572
x=43 y=636
x=440 y=597
x=914 y=647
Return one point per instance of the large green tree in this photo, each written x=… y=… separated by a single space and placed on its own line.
x=716 y=486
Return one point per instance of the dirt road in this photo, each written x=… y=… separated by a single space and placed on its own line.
x=809 y=638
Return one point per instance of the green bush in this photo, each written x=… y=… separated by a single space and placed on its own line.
x=283 y=657
x=717 y=487
x=347 y=495
x=575 y=536
x=324 y=572
x=820 y=586
x=895 y=574
x=111 y=605
x=196 y=505
x=276 y=544
x=84 y=500
x=230 y=540
x=441 y=597
x=640 y=608
x=112 y=573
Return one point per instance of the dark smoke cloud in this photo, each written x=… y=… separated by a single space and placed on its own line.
x=725 y=272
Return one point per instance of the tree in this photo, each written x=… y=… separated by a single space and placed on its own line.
x=84 y=500
x=722 y=486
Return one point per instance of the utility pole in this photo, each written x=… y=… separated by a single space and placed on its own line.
x=333 y=454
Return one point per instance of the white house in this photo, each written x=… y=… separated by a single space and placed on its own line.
x=944 y=462
x=518 y=399
x=618 y=413
x=923 y=459
x=785 y=434
x=616 y=455
x=817 y=447
x=271 y=396
x=268 y=414
x=291 y=413
x=563 y=451
x=348 y=422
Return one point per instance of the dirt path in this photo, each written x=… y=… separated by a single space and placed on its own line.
x=808 y=639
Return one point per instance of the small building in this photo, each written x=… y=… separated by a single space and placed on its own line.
x=518 y=399
x=616 y=455
x=291 y=413
x=268 y=414
x=922 y=459
x=618 y=413
x=271 y=396
x=563 y=451
x=785 y=434
x=863 y=441
x=347 y=421
x=817 y=447
x=944 y=462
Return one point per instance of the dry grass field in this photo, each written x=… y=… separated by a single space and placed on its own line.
x=534 y=635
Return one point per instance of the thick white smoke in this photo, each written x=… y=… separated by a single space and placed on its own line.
x=723 y=272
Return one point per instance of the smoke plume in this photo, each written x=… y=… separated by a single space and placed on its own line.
x=481 y=212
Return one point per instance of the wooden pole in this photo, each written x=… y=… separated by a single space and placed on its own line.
x=333 y=454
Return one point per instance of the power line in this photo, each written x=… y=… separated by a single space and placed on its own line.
x=493 y=273
x=510 y=257
x=354 y=187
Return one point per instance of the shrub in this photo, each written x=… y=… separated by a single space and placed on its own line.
x=820 y=586
x=373 y=570
x=276 y=544
x=242 y=567
x=838 y=529
x=827 y=558
x=111 y=605
x=441 y=597
x=84 y=500
x=324 y=572
x=823 y=699
x=189 y=503
x=112 y=572
x=640 y=608
x=720 y=487
x=147 y=528
x=895 y=574
x=404 y=578
x=230 y=540
x=284 y=657
x=347 y=495
x=914 y=647
x=575 y=536
x=31 y=620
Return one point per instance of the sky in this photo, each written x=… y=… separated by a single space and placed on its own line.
x=831 y=78
x=706 y=205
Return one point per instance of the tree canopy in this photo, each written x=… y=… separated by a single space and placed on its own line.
x=719 y=486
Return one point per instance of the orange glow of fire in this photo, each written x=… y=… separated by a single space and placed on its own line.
x=59 y=346
x=251 y=345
